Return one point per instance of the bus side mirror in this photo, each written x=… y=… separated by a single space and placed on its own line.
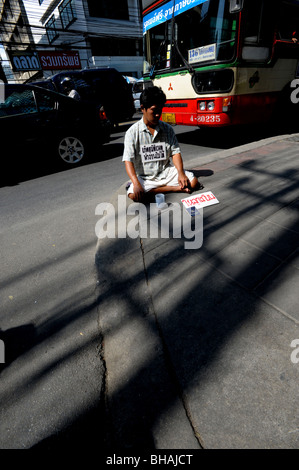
x=235 y=6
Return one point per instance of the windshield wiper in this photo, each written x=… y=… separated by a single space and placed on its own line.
x=189 y=67
x=174 y=41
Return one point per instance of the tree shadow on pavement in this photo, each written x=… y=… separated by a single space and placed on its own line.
x=204 y=316
x=51 y=381
x=202 y=356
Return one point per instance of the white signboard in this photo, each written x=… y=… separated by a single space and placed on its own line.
x=153 y=152
x=201 y=54
x=200 y=200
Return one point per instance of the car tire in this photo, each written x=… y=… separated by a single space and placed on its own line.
x=72 y=150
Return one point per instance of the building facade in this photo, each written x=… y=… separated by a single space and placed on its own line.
x=67 y=34
x=15 y=34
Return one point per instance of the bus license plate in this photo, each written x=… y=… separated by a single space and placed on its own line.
x=169 y=117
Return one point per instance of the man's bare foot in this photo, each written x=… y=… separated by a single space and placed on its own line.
x=145 y=198
x=185 y=190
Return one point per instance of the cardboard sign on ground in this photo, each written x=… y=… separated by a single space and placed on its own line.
x=200 y=200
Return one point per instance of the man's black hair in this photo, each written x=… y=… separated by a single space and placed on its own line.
x=152 y=96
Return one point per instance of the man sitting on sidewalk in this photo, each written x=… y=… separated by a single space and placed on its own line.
x=149 y=146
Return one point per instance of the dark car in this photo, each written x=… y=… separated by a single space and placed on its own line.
x=37 y=118
x=100 y=85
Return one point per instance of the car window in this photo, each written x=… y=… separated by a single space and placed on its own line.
x=138 y=87
x=109 y=79
x=44 y=102
x=83 y=87
x=45 y=84
x=18 y=102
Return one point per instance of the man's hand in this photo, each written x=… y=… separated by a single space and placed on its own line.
x=138 y=191
x=183 y=180
x=137 y=187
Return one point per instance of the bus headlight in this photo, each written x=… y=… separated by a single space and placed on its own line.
x=202 y=105
x=226 y=104
x=211 y=105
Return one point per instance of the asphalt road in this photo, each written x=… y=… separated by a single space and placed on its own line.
x=51 y=382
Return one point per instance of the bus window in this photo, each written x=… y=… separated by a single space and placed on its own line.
x=205 y=25
x=258 y=30
x=171 y=43
x=252 y=19
x=288 y=21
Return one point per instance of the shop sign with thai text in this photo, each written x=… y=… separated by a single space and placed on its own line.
x=55 y=60
x=45 y=60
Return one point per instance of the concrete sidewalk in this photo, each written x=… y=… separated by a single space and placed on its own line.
x=197 y=343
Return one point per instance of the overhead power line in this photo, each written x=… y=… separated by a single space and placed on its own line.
x=82 y=22
x=71 y=31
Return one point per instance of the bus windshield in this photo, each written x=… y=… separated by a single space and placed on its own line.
x=177 y=37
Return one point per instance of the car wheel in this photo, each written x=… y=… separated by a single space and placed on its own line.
x=71 y=150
